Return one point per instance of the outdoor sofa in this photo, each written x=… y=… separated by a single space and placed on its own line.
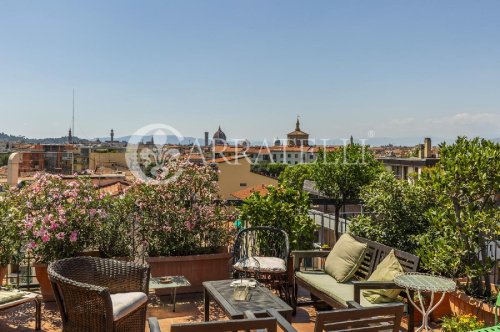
x=349 y=294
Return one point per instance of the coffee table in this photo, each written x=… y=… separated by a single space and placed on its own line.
x=177 y=281
x=260 y=299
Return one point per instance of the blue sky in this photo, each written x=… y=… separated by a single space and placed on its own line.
x=397 y=68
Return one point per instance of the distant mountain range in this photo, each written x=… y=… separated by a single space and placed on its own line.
x=172 y=139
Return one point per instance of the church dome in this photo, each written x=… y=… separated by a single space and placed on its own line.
x=219 y=135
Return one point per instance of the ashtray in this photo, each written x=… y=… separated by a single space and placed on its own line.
x=165 y=280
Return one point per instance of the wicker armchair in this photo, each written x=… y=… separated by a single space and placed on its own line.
x=95 y=294
x=262 y=252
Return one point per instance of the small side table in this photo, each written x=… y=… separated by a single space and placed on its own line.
x=177 y=281
x=28 y=297
x=424 y=283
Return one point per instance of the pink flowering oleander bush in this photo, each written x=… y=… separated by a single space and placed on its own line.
x=178 y=213
x=9 y=229
x=60 y=217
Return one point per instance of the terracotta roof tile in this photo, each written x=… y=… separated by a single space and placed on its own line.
x=245 y=193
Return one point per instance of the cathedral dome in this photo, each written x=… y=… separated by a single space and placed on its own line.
x=219 y=135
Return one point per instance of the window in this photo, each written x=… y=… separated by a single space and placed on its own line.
x=296 y=155
x=243 y=184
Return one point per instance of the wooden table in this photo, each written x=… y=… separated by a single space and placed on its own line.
x=28 y=297
x=260 y=300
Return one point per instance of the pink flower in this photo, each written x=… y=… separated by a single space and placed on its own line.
x=73 y=236
x=45 y=237
x=60 y=235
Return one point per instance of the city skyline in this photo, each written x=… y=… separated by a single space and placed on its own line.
x=346 y=67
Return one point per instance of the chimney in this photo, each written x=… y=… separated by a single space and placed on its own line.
x=206 y=138
x=427 y=147
x=13 y=169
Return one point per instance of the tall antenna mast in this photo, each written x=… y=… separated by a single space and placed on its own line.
x=73 y=118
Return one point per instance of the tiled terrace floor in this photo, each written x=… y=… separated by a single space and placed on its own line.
x=189 y=309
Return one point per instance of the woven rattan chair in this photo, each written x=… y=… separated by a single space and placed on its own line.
x=95 y=294
x=262 y=252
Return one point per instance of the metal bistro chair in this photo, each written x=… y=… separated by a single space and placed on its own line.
x=262 y=252
x=100 y=295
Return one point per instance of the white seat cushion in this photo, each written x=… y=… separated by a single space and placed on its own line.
x=125 y=303
x=261 y=264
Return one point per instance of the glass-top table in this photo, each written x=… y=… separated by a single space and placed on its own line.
x=176 y=282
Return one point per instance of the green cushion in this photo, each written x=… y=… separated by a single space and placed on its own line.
x=345 y=258
x=9 y=296
x=385 y=271
x=340 y=292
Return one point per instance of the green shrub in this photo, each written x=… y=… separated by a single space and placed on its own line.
x=396 y=212
x=284 y=208
x=464 y=323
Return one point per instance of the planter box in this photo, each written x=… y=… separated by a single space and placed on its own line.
x=196 y=268
x=462 y=304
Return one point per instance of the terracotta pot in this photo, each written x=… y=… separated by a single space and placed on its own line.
x=462 y=304
x=43 y=280
x=443 y=309
x=3 y=274
x=196 y=268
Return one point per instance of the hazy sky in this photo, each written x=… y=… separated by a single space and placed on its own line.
x=398 y=68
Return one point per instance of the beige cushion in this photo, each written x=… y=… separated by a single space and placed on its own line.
x=340 y=292
x=385 y=271
x=125 y=303
x=262 y=264
x=9 y=296
x=345 y=258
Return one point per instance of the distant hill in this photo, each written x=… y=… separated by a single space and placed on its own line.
x=170 y=139
x=49 y=140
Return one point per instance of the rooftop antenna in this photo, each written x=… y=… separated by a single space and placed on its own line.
x=73 y=118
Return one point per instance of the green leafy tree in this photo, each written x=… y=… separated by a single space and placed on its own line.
x=341 y=174
x=284 y=208
x=294 y=176
x=465 y=184
x=4 y=158
x=396 y=212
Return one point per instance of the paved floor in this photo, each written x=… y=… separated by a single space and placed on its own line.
x=189 y=309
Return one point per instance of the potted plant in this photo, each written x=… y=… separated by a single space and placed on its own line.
x=9 y=233
x=465 y=185
x=181 y=225
x=60 y=218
